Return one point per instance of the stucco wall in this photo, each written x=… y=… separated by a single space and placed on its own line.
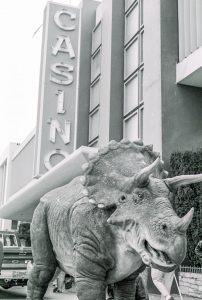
x=22 y=166
x=152 y=75
x=191 y=284
x=87 y=24
x=112 y=66
x=181 y=105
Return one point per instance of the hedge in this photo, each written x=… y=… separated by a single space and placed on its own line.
x=189 y=162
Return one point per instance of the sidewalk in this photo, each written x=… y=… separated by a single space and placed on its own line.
x=70 y=295
x=176 y=297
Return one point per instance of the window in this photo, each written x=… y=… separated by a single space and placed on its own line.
x=131 y=127
x=95 y=85
x=96 y=37
x=14 y=225
x=94 y=125
x=131 y=94
x=132 y=22
x=128 y=3
x=141 y=46
x=95 y=65
x=94 y=94
x=131 y=58
x=10 y=240
x=133 y=70
x=141 y=74
x=141 y=122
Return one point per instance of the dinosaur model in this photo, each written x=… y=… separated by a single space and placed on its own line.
x=102 y=227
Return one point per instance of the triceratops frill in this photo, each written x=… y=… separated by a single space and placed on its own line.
x=117 y=169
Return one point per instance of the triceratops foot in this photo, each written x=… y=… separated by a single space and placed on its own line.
x=36 y=294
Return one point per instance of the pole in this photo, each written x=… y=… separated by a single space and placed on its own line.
x=178 y=287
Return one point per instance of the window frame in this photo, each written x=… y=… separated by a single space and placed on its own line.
x=137 y=71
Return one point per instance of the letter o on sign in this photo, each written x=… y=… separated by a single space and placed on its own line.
x=48 y=156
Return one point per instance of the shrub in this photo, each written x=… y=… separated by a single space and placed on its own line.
x=189 y=162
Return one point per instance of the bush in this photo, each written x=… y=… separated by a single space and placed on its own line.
x=189 y=162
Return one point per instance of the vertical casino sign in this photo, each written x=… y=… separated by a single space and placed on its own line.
x=58 y=86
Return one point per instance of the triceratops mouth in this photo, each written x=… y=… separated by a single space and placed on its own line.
x=159 y=259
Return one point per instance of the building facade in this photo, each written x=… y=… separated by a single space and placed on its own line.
x=109 y=70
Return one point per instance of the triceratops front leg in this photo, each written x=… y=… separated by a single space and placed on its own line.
x=39 y=279
x=44 y=259
x=90 y=277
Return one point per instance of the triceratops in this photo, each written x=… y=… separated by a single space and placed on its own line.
x=104 y=225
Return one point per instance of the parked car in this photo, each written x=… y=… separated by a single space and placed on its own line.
x=17 y=254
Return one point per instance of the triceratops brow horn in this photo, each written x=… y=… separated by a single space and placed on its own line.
x=178 y=181
x=184 y=222
x=142 y=177
x=126 y=184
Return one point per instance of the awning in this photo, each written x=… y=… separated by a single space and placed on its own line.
x=20 y=206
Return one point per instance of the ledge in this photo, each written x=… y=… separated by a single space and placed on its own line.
x=189 y=70
x=21 y=205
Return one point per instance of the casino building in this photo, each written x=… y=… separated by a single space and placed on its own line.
x=109 y=70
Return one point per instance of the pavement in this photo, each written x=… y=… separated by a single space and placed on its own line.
x=70 y=295
x=19 y=293
x=176 y=297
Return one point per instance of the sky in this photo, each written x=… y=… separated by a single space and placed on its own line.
x=20 y=53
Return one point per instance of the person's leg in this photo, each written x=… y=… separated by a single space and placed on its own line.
x=126 y=289
x=158 y=280
x=169 y=280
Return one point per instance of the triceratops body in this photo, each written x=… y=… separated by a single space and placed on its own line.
x=105 y=225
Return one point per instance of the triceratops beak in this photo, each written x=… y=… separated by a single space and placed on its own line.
x=184 y=222
x=142 y=177
x=178 y=181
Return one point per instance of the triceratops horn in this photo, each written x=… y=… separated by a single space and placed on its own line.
x=142 y=177
x=178 y=181
x=185 y=221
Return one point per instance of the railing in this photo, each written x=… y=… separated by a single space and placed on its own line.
x=191 y=269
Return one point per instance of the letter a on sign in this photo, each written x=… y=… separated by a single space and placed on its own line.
x=63 y=44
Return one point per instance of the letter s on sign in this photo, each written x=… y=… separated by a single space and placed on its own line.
x=57 y=19
x=55 y=69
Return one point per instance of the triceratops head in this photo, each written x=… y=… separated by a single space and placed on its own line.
x=130 y=177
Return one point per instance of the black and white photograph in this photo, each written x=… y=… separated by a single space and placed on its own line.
x=101 y=150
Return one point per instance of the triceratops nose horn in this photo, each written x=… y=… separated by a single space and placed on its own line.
x=142 y=177
x=184 y=222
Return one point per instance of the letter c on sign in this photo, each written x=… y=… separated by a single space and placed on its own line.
x=48 y=156
x=58 y=22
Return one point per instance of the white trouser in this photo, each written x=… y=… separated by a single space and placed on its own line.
x=163 y=281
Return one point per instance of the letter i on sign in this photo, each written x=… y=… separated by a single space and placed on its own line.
x=60 y=102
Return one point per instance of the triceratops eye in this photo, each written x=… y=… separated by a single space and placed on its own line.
x=122 y=199
x=140 y=195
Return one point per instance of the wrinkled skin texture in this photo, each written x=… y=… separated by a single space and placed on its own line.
x=109 y=241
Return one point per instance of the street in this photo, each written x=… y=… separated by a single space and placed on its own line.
x=19 y=293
